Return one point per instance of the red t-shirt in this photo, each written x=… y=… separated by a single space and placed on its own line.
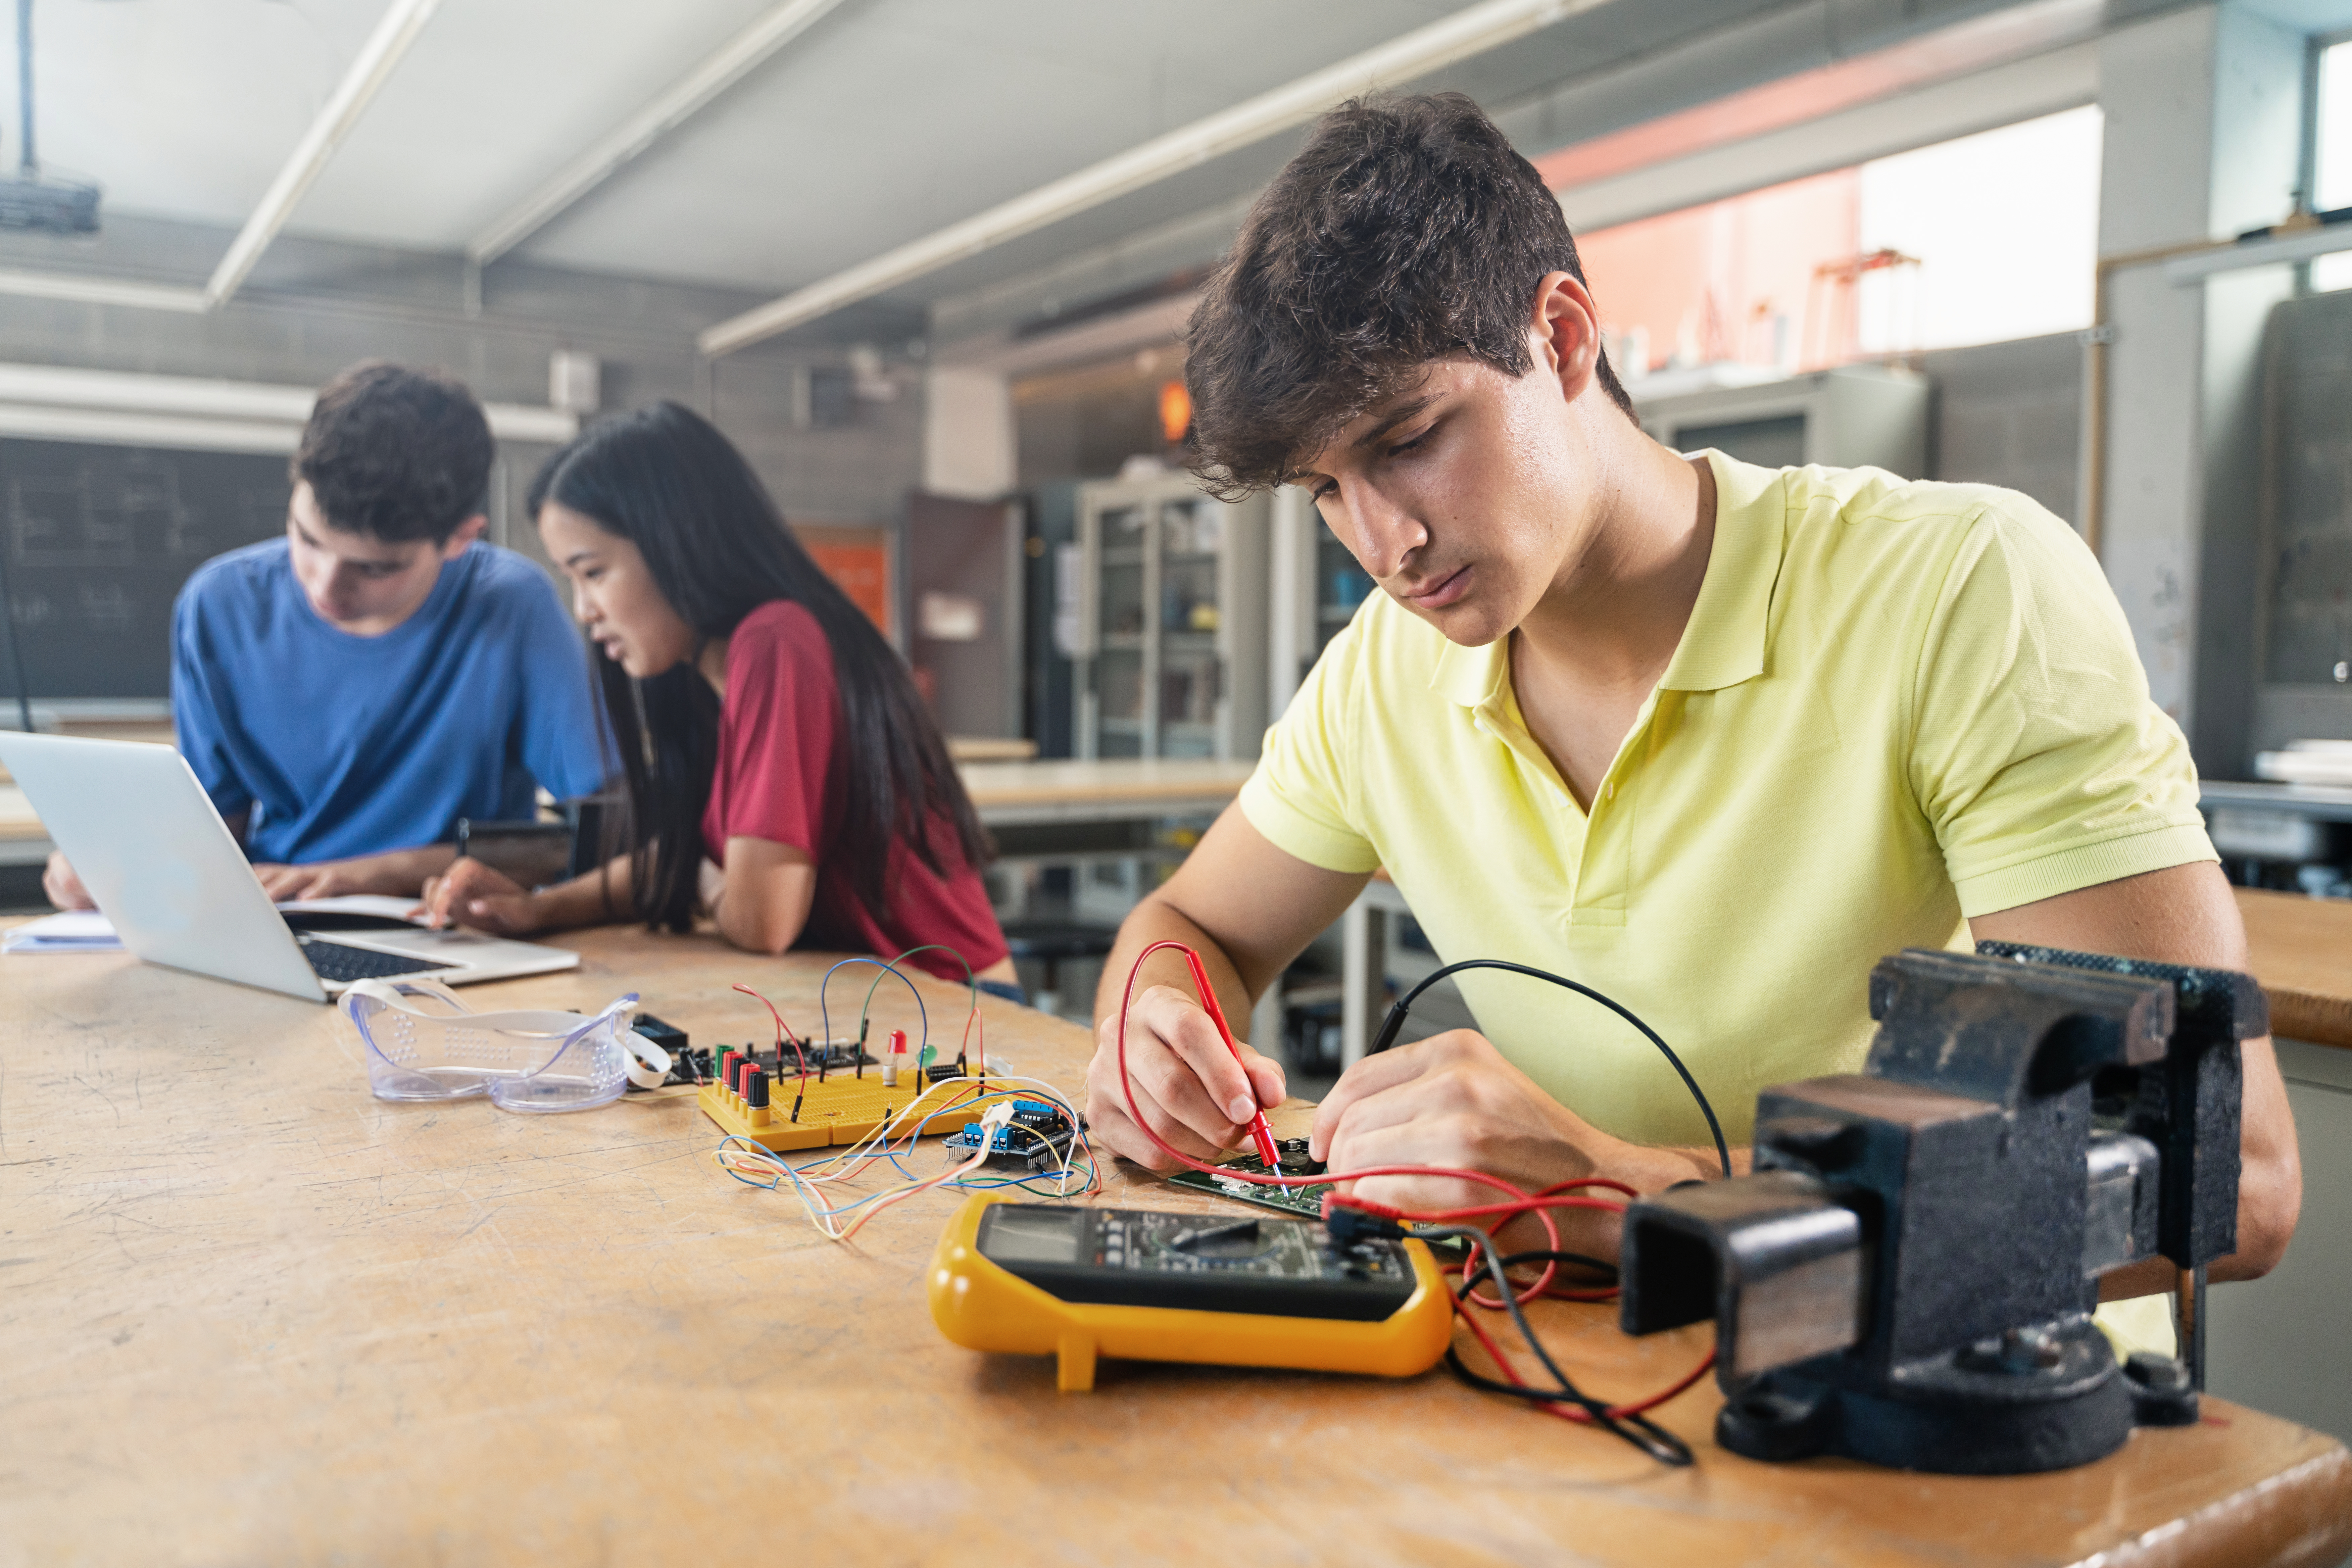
x=776 y=779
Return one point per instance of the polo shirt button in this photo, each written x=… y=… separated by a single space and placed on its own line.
x=1609 y=793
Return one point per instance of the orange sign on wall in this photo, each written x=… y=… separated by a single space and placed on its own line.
x=859 y=560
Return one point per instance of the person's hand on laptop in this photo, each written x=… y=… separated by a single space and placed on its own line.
x=391 y=873
x=470 y=893
x=65 y=888
x=326 y=880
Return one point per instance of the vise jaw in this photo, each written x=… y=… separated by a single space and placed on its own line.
x=1908 y=1275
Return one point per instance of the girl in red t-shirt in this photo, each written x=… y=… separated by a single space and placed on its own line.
x=782 y=774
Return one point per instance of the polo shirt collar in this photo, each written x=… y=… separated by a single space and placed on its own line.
x=1472 y=677
x=1724 y=643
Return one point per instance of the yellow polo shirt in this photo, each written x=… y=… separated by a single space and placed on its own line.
x=1897 y=705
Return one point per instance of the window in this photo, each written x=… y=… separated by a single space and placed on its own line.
x=2331 y=160
x=1730 y=282
x=2005 y=226
x=1980 y=239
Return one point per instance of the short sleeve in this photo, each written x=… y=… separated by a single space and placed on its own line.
x=1298 y=796
x=776 y=734
x=2037 y=754
x=200 y=727
x=566 y=743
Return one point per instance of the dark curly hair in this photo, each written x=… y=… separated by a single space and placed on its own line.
x=396 y=453
x=1407 y=230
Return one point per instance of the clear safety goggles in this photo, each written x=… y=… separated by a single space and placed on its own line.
x=423 y=1043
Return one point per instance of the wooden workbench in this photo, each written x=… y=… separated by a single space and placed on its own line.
x=1003 y=792
x=2302 y=951
x=253 y=1315
x=1105 y=790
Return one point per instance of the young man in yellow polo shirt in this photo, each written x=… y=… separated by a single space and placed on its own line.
x=1708 y=736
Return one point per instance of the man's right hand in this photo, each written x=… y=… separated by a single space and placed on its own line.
x=469 y=893
x=1187 y=1085
x=65 y=888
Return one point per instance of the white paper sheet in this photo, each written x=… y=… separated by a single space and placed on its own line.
x=87 y=931
x=76 y=931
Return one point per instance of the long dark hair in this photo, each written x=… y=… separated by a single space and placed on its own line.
x=667 y=481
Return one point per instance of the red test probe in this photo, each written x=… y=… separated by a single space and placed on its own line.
x=1260 y=1133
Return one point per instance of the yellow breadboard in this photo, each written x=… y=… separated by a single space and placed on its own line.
x=842 y=1110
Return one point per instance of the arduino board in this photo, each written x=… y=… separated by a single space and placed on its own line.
x=1039 y=1135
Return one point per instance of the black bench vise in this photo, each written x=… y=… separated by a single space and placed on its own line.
x=1908 y=1277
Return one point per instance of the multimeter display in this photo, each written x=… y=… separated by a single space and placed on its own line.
x=1135 y=1258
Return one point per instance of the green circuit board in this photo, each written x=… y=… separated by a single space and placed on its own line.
x=1306 y=1201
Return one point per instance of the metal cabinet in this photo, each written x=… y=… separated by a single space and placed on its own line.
x=1851 y=418
x=1172 y=621
x=2277 y=1343
x=1318 y=589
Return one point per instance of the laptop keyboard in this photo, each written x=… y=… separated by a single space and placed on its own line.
x=335 y=961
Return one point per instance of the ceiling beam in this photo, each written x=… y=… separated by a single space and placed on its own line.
x=369 y=71
x=1472 y=31
x=675 y=104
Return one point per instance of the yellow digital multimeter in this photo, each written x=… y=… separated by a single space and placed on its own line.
x=1259 y=1290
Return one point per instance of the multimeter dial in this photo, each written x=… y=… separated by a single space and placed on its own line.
x=1259 y=1264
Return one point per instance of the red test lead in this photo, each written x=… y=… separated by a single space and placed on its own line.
x=1259 y=1132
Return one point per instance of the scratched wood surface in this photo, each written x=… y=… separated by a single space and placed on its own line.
x=249 y=1314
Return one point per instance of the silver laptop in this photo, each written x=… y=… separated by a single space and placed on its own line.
x=146 y=841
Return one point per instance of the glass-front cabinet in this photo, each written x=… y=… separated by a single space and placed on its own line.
x=1172 y=622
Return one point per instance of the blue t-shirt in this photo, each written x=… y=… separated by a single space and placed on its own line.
x=342 y=746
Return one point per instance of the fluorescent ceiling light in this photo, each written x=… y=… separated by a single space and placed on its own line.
x=672 y=108
x=81 y=289
x=193 y=411
x=1469 y=32
x=369 y=71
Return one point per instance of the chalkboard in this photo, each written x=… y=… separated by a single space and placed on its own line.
x=98 y=541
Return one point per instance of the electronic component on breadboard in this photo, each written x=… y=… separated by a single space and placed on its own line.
x=1078 y=1283
x=1040 y=1136
x=795 y=1112
x=693 y=1066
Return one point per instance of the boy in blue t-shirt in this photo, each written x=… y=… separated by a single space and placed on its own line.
x=348 y=692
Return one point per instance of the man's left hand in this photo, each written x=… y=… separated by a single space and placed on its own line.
x=1453 y=1100
x=326 y=880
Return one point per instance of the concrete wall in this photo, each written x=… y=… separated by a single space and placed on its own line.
x=968 y=434
x=314 y=306
x=2202 y=118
